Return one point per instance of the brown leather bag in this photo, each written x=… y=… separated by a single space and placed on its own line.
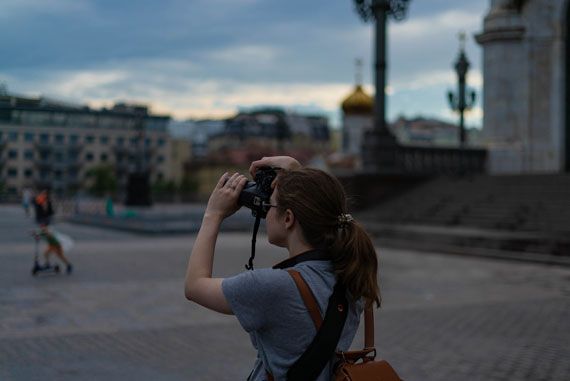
x=351 y=365
x=361 y=365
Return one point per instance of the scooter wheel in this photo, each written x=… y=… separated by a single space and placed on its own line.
x=34 y=272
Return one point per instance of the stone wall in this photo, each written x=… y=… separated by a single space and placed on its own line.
x=523 y=98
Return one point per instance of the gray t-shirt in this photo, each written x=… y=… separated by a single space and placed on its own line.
x=269 y=307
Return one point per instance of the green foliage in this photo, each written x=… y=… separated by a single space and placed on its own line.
x=103 y=180
x=189 y=184
x=161 y=186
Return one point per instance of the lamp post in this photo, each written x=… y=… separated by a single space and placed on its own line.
x=138 y=181
x=465 y=98
x=380 y=144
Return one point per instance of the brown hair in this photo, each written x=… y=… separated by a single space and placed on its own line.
x=317 y=199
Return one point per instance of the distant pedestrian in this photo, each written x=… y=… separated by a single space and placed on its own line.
x=55 y=244
x=26 y=200
x=43 y=207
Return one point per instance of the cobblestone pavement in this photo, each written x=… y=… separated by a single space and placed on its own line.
x=122 y=314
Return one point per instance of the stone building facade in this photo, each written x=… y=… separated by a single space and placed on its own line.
x=526 y=78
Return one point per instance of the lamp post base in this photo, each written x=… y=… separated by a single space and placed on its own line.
x=138 y=190
x=379 y=151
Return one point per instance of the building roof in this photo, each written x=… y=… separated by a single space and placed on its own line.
x=358 y=102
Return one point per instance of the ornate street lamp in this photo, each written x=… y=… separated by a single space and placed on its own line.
x=380 y=143
x=465 y=98
x=379 y=10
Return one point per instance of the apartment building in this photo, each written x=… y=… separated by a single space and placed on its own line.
x=46 y=143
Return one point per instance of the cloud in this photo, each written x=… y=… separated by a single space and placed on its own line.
x=23 y=8
x=212 y=98
x=209 y=57
x=184 y=96
x=425 y=28
x=245 y=54
x=473 y=117
x=435 y=78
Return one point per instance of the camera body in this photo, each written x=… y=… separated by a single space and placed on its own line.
x=255 y=194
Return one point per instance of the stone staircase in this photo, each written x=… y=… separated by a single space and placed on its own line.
x=523 y=213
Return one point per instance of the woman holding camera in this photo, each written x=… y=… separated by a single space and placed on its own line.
x=308 y=216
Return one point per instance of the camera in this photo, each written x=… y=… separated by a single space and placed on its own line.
x=255 y=194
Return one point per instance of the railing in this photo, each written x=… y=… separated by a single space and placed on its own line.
x=427 y=160
x=397 y=159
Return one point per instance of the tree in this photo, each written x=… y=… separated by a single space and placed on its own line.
x=189 y=184
x=103 y=180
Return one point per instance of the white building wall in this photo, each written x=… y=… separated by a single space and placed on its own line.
x=354 y=127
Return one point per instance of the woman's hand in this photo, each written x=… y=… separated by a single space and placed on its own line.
x=223 y=200
x=283 y=162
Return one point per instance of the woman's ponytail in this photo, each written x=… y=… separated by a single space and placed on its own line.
x=355 y=262
x=318 y=202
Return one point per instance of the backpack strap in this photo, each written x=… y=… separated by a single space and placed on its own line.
x=322 y=348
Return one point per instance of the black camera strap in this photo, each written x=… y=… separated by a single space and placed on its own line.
x=249 y=266
x=310 y=255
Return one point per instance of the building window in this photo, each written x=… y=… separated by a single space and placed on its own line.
x=73 y=139
x=44 y=138
x=120 y=141
x=89 y=156
x=160 y=159
x=44 y=174
x=29 y=154
x=133 y=141
x=44 y=155
x=28 y=172
x=12 y=154
x=1 y=136
x=12 y=172
x=73 y=155
x=147 y=142
x=13 y=136
x=160 y=142
x=103 y=157
x=104 y=140
x=90 y=139
x=58 y=157
x=58 y=175
x=59 y=139
x=29 y=137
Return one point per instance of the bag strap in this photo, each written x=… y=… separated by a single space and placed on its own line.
x=319 y=353
x=308 y=298
x=369 y=328
x=311 y=304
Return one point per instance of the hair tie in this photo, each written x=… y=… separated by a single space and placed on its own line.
x=343 y=220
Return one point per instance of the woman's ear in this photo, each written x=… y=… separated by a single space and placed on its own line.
x=289 y=219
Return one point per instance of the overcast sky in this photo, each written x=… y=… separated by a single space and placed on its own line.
x=208 y=58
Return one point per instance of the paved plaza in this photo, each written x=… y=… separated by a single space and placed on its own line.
x=122 y=314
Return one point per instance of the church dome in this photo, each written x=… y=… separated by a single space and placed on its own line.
x=358 y=102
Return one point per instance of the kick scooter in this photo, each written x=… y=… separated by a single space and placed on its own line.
x=39 y=269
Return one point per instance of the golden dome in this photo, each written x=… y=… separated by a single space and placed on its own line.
x=358 y=102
